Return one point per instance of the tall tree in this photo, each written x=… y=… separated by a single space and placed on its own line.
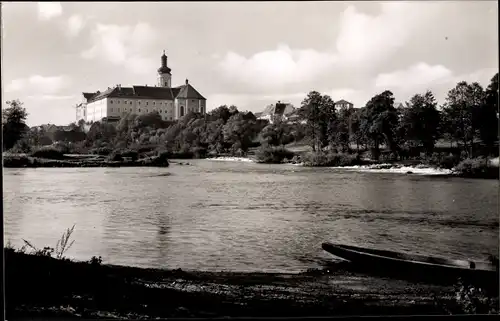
x=420 y=121
x=380 y=121
x=342 y=131
x=238 y=132
x=462 y=106
x=487 y=116
x=13 y=123
x=319 y=112
x=277 y=133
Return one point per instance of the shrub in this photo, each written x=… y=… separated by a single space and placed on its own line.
x=273 y=155
x=22 y=146
x=330 y=159
x=95 y=261
x=199 y=152
x=103 y=151
x=472 y=300
x=49 y=153
x=476 y=167
x=448 y=161
x=16 y=161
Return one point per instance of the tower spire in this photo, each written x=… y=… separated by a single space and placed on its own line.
x=164 y=75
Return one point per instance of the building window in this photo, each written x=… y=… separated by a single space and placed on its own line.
x=139 y=102
x=182 y=111
x=146 y=110
x=154 y=102
x=192 y=100
x=111 y=101
x=139 y=110
x=125 y=102
x=170 y=118
x=147 y=103
x=131 y=102
x=166 y=84
x=117 y=101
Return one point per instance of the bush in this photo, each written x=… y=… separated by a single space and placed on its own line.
x=49 y=153
x=476 y=168
x=16 y=161
x=199 y=152
x=330 y=159
x=103 y=151
x=273 y=155
x=22 y=146
x=448 y=161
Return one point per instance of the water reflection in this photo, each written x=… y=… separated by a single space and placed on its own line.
x=243 y=216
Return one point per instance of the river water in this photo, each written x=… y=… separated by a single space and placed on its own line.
x=242 y=216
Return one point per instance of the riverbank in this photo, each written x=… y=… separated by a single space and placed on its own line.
x=24 y=161
x=82 y=289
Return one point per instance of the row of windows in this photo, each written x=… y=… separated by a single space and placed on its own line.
x=139 y=102
x=161 y=111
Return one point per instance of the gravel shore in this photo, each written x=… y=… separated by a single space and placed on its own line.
x=80 y=289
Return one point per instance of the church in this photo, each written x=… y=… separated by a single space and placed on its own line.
x=170 y=102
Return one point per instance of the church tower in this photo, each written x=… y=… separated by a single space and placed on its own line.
x=164 y=75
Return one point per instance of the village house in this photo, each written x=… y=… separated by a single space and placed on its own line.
x=170 y=102
x=279 y=110
x=343 y=104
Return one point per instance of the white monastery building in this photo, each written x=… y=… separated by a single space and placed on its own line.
x=170 y=102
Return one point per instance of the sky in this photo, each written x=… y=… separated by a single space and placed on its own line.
x=243 y=53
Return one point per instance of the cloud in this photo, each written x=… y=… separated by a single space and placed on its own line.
x=122 y=45
x=276 y=67
x=52 y=97
x=75 y=24
x=49 y=10
x=363 y=43
x=418 y=76
x=38 y=84
x=367 y=40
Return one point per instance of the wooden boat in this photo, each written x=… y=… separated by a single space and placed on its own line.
x=383 y=260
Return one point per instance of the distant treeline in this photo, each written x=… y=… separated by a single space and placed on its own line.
x=468 y=121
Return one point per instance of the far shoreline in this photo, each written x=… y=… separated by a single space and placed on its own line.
x=94 y=161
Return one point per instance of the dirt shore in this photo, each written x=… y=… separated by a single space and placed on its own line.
x=44 y=287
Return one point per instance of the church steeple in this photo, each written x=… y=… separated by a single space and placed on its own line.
x=164 y=72
x=164 y=69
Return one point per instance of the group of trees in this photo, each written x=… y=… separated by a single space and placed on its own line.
x=468 y=119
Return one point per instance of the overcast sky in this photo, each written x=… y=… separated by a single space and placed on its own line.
x=246 y=54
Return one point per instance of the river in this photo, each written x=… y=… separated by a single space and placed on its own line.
x=240 y=216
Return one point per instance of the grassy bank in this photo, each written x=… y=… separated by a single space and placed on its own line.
x=90 y=290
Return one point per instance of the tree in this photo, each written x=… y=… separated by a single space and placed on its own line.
x=357 y=136
x=275 y=134
x=487 y=116
x=13 y=123
x=221 y=112
x=341 y=133
x=319 y=112
x=462 y=107
x=238 y=132
x=380 y=121
x=420 y=121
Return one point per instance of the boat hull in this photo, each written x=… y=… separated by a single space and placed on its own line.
x=421 y=267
